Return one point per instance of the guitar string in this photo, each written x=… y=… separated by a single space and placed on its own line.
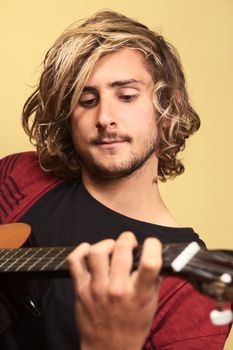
x=50 y=254
x=192 y=267
x=62 y=259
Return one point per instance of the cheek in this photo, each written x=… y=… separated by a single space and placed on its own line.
x=77 y=125
x=76 y=132
x=144 y=118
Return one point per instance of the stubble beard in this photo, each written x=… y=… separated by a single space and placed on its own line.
x=117 y=171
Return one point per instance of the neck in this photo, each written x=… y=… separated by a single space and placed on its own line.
x=136 y=196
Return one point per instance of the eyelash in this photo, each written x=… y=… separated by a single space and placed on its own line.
x=128 y=98
x=92 y=102
x=89 y=103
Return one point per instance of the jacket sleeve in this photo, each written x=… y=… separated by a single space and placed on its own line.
x=182 y=320
x=22 y=183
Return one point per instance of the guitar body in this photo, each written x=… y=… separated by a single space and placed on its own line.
x=14 y=293
x=14 y=235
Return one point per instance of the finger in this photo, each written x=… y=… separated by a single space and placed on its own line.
x=78 y=265
x=121 y=264
x=150 y=264
x=99 y=266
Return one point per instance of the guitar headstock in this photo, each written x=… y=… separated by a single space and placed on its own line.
x=210 y=271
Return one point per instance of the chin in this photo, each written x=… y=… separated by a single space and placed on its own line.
x=116 y=168
x=113 y=172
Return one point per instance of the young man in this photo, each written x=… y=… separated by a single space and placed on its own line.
x=109 y=116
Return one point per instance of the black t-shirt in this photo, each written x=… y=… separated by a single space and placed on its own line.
x=66 y=216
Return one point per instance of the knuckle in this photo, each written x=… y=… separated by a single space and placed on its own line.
x=97 y=291
x=151 y=266
x=81 y=290
x=78 y=251
x=122 y=245
x=116 y=293
x=101 y=247
x=96 y=251
x=153 y=243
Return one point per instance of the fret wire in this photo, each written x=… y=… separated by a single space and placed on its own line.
x=42 y=257
x=19 y=255
x=51 y=260
x=46 y=256
x=8 y=258
x=36 y=248
x=24 y=256
x=50 y=265
x=27 y=259
x=36 y=260
x=7 y=252
x=33 y=261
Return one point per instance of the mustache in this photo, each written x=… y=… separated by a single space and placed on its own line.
x=110 y=137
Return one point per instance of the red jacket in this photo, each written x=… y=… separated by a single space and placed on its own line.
x=182 y=319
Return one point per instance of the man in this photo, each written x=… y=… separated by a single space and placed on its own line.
x=109 y=117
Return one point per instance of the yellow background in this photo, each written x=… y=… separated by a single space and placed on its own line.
x=202 y=32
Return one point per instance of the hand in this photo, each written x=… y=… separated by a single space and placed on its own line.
x=114 y=306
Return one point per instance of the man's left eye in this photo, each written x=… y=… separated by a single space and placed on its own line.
x=128 y=98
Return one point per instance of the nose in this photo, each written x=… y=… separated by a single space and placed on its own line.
x=105 y=117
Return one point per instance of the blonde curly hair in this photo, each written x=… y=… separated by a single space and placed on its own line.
x=67 y=66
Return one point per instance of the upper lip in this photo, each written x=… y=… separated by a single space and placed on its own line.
x=109 y=141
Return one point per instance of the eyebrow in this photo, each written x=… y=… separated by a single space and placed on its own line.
x=118 y=83
x=89 y=89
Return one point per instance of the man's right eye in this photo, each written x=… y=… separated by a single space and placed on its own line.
x=89 y=102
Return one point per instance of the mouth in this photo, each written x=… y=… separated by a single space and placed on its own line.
x=110 y=143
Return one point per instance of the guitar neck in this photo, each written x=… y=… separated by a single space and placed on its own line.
x=51 y=261
x=210 y=271
x=204 y=270
x=44 y=262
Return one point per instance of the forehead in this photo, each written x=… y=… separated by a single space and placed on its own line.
x=123 y=64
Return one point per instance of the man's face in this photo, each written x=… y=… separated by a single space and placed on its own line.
x=114 y=124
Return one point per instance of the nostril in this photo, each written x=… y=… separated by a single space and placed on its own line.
x=105 y=124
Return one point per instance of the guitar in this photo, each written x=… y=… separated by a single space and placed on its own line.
x=210 y=271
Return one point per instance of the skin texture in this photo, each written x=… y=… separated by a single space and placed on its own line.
x=114 y=132
x=114 y=124
x=109 y=298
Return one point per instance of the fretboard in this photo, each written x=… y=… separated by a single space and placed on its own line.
x=43 y=262
x=51 y=261
x=35 y=261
